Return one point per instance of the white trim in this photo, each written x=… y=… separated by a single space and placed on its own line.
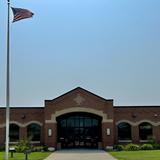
x=148 y=121
x=15 y=122
x=21 y=124
x=143 y=141
x=36 y=122
x=2 y=125
x=35 y=142
x=107 y=120
x=50 y=121
x=32 y=142
x=125 y=141
x=13 y=142
x=138 y=122
x=125 y=121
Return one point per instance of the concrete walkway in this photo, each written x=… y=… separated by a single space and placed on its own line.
x=80 y=154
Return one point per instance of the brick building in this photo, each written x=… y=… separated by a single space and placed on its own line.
x=80 y=118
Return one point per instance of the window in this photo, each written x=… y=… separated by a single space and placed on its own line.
x=34 y=132
x=14 y=132
x=124 y=131
x=145 y=131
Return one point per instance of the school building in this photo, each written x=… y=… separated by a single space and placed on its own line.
x=80 y=118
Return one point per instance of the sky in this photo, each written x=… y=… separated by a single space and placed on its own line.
x=109 y=47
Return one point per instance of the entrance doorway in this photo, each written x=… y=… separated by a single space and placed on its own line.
x=79 y=130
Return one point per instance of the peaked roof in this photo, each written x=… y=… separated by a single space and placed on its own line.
x=80 y=89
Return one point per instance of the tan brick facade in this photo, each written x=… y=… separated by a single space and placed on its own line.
x=81 y=100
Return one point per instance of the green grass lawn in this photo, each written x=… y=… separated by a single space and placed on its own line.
x=137 y=155
x=21 y=156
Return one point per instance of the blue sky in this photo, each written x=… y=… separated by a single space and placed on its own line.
x=109 y=47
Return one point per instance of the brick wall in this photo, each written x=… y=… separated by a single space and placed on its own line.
x=22 y=116
x=86 y=101
x=136 y=115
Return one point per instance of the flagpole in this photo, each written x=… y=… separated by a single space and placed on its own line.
x=8 y=82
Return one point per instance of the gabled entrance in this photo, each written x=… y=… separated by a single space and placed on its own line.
x=79 y=130
x=79 y=118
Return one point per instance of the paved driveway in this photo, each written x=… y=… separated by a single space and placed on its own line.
x=80 y=154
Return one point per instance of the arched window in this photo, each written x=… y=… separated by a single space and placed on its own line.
x=34 y=132
x=14 y=132
x=124 y=131
x=145 y=131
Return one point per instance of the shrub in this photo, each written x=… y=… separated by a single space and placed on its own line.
x=156 y=146
x=40 y=148
x=119 y=147
x=151 y=140
x=2 y=148
x=37 y=149
x=132 y=147
x=45 y=148
x=23 y=145
x=146 y=147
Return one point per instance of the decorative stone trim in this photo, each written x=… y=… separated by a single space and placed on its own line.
x=143 y=141
x=35 y=142
x=2 y=125
x=79 y=99
x=125 y=141
x=50 y=121
x=36 y=122
x=107 y=121
x=139 y=122
x=79 y=109
x=126 y=121
x=15 y=122
x=21 y=124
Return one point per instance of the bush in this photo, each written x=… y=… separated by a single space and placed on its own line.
x=45 y=148
x=151 y=140
x=119 y=147
x=2 y=148
x=40 y=148
x=132 y=147
x=146 y=147
x=37 y=149
x=156 y=146
x=23 y=145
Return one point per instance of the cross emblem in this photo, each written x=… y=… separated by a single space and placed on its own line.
x=79 y=99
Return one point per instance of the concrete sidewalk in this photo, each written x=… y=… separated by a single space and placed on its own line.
x=80 y=154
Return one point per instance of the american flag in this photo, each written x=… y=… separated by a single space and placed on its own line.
x=20 y=13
